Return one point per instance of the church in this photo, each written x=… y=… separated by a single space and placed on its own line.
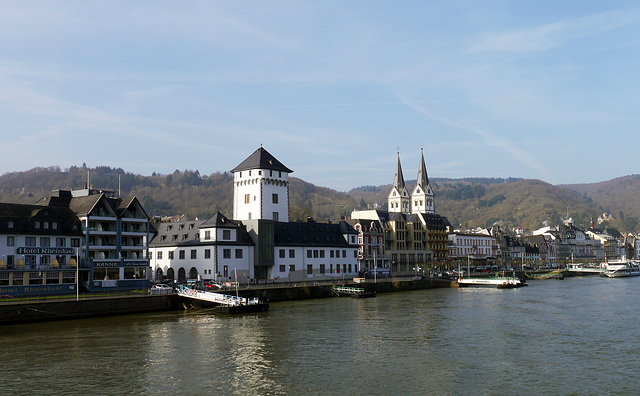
x=415 y=236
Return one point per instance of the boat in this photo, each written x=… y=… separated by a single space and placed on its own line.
x=500 y=282
x=621 y=268
x=222 y=303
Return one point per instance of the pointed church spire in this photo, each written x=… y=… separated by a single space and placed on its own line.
x=423 y=178
x=398 y=179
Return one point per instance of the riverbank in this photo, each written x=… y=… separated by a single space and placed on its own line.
x=96 y=305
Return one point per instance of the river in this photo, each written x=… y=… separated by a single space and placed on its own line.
x=576 y=336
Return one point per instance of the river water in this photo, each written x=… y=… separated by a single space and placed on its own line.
x=576 y=336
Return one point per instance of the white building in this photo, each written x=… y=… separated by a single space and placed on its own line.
x=475 y=246
x=218 y=248
x=260 y=243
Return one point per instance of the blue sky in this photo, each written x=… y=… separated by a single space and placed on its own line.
x=541 y=89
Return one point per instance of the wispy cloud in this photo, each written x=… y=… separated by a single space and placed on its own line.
x=545 y=37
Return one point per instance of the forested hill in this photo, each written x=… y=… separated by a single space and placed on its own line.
x=468 y=203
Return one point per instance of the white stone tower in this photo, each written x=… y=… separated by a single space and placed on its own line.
x=261 y=188
x=422 y=197
x=399 y=200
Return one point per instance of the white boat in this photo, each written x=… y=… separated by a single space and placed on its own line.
x=621 y=268
x=500 y=282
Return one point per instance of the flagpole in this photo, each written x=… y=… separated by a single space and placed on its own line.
x=77 y=276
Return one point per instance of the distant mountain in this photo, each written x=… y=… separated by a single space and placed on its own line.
x=467 y=203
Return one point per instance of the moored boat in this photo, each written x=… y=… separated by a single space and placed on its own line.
x=621 y=269
x=500 y=282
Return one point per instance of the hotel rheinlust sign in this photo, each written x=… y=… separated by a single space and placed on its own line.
x=46 y=250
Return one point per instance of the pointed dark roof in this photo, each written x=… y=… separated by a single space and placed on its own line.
x=261 y=159
x=423 y=178
x=398 y=179
x=220 y=220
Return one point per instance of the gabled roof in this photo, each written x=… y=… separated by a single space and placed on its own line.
x=219 y=220
x=125 y=203
x=261 y=159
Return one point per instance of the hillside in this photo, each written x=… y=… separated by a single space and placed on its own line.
x=619 y=197
x=467 y=203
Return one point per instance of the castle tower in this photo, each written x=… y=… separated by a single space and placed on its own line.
x=399 y=199
x=261 y=188
x=422 y=197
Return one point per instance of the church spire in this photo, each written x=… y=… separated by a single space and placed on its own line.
x=398 y=179
x=423 y=178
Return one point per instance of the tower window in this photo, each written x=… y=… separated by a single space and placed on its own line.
x=274 y=198
x=247 y=199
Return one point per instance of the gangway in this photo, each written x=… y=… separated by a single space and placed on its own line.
x=351 y=291
x=234 y=304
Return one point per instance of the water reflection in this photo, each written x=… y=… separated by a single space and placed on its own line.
x=530 y=340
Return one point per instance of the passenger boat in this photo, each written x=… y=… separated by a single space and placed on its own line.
x=621 y=269
x=500 y=282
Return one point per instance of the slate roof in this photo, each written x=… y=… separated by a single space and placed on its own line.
x=220 y=220
x=187 y=233
x=309 y=234
x=261 y=159
x=22 y=214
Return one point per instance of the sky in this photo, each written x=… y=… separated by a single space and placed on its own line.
x=335 y=90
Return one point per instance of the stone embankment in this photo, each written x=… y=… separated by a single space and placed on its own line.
x=35 y=311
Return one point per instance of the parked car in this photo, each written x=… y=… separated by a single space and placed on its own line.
x=161 y=288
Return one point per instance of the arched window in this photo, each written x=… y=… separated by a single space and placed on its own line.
x=193 y=273
x=170 y=274
x=182 y=275
x=159 y=274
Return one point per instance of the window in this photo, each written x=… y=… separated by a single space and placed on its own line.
x=275 y=216
x=160 y=255
x=344 y=254
x=283 y=268
x=37 y=224
x=247 y=198
x=207 y=235
x=309 y=254
x=274 y=198
x=150 y=255
x=11 y=241
x=337 y=268
x=45 y=224
x=207 y=253
x=322 y=254
x=281 y=253
x=194 y=254
x=226 y=235
x=181 y=254
x=30 y=241
x=61 y=242
x=226 y=253
x=54 y=225
x=322 y=268
x=249 y=216
x=331 y=253
x=309 y=269
x=10 y=224
x=292 y=267
x=292 y=253
x=171 y=255
x=238 y=253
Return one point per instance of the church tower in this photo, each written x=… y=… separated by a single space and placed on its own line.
x=422 y=197
x=399 y=200
x=261 y=188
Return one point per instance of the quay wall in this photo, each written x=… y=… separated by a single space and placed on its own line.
x=38 y=311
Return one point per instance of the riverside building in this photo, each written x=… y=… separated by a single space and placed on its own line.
x=415 y=236
x=88 y=238
x=259 y=244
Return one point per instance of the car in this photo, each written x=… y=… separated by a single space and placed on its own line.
x=212 y=285
x=161 y=288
